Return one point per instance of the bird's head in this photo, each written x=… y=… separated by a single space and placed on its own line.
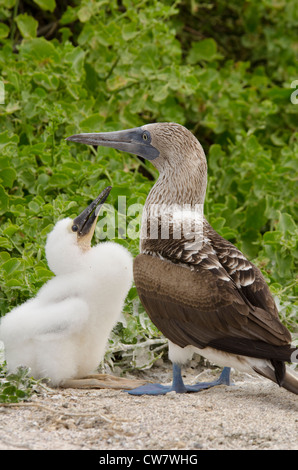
x=72 y=237
x=167 y=145
x=83 y=225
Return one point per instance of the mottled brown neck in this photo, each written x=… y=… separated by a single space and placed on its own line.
x=185 y=184
x=181 y=187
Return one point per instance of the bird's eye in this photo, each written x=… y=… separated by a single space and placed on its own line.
x=145 y=136
x=74 y=228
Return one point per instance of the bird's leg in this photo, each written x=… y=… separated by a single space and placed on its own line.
x=178 y=385
x=102 y=381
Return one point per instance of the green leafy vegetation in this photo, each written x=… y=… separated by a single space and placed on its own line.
x=223 y=69
x=17 y=386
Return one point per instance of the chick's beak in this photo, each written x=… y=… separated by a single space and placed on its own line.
x=84 y=224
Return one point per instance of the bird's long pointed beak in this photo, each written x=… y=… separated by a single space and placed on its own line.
x=136 y=141
x=84 y=224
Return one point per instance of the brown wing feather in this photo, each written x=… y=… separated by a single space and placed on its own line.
x=222 y=258
x=244 y=273
x=197 y=307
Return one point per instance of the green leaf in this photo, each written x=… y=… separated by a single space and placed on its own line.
x=252 y=144
x=4 y=30
x=5 y=243
x=272 y=238
x=84 y=14
x=7 y=177
x=203 y=50
x=48 y=5
x=48 y=82
x=4 y=256
x=34 y=207
x=14 y=283
x=9 y=390
x=43 y=274
x=11 y=230
x=27 y=25
x=161 y=93
x=129 y=31
x=39 y=49
x=76 y=59
x=69 y=16
x=286 y=224
x=4 y=200
x=7 y=3
x=6 y=138
x=11 y=265
x=92 y=124
x=255 y=215
x=216 y=155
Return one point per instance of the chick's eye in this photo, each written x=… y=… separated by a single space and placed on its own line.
x=74 y=228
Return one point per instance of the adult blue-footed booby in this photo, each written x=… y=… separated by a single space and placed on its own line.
x=198 y=288
x=62 y=333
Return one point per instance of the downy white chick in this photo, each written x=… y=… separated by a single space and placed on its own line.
x=62 y=333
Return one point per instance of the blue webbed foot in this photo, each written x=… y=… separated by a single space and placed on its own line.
x=223 y=379
x=151 y=389
x=178 y=385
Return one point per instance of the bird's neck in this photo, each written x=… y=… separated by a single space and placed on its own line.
x=176 y=198
x=184 y=185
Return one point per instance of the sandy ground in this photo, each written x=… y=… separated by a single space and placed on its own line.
x=253 y=414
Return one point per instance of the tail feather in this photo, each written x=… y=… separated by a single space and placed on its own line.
x=280 y=374
x=290 y=381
